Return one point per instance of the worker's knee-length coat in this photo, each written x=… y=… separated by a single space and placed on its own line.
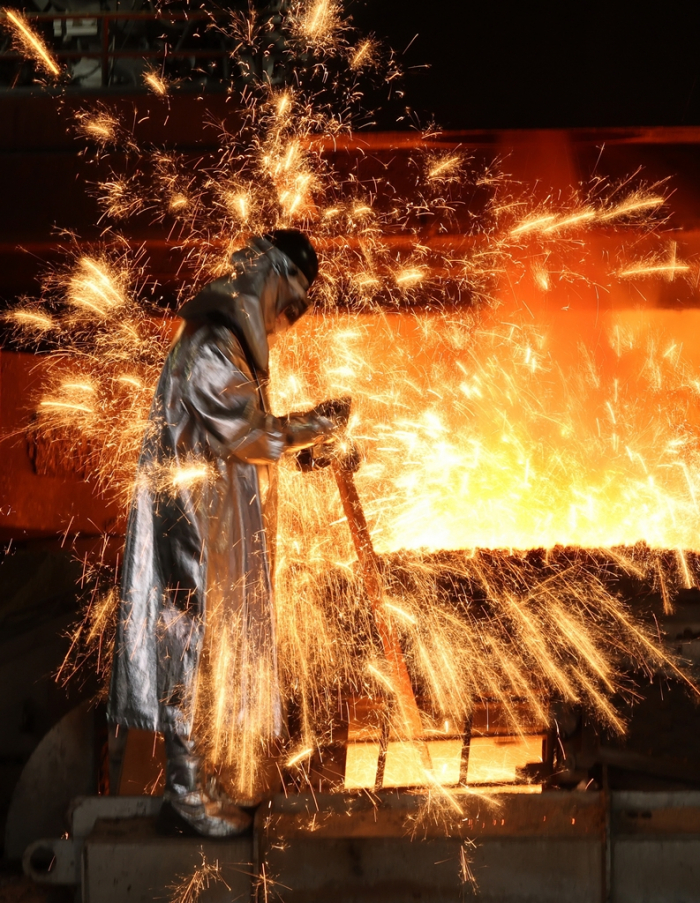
x=196 y=545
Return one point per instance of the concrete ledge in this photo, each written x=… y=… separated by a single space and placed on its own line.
x=393 y=870
x=544 y=848
x=656 y=847
x=656 y=870
x=554 y=847
x=126 y=860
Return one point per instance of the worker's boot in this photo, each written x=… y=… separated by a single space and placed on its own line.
x=216 y=791
x=187 y=808
x=268 y=781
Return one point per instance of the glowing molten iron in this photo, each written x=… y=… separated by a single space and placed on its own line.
x=493 y=435
x=505 y=435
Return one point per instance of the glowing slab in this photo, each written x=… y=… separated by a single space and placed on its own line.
x=361 y=765
x=404 y=765
x=494 y=760
x=499 y=788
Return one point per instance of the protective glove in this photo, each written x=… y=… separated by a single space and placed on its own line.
x=346 y=454
x=335 y=409
x=305 y=430
x=318 y=425
x=341 y=452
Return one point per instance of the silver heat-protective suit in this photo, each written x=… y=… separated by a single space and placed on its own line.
x=196 y=542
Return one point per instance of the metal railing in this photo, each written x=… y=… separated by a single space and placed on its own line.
x=102 y=31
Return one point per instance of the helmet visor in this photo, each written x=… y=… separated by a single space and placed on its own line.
x=295 y=310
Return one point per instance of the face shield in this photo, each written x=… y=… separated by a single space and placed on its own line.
x=295 y=309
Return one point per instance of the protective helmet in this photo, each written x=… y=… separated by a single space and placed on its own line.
x=298 y=248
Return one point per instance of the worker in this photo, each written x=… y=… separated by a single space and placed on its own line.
x=200 y=529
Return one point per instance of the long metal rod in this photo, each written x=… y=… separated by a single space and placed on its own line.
x=411 y=723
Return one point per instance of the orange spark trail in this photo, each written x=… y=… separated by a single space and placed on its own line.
x=31 y=42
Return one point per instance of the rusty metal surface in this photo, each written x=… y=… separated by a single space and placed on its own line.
x=554 y=814
x=672 y=813
x=388 y=870
x=547 y=848
x=315 y=848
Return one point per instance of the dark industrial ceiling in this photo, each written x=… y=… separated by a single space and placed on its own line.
x=543 y=64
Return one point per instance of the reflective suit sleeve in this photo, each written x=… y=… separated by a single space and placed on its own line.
x=224 y=399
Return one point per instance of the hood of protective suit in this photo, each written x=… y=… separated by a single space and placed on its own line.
x=263 y=283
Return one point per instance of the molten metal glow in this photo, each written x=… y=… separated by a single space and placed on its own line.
x=491 y=434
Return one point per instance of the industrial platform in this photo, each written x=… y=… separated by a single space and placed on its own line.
x=550 y=847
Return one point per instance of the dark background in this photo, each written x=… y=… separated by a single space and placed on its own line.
x=542 y=65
